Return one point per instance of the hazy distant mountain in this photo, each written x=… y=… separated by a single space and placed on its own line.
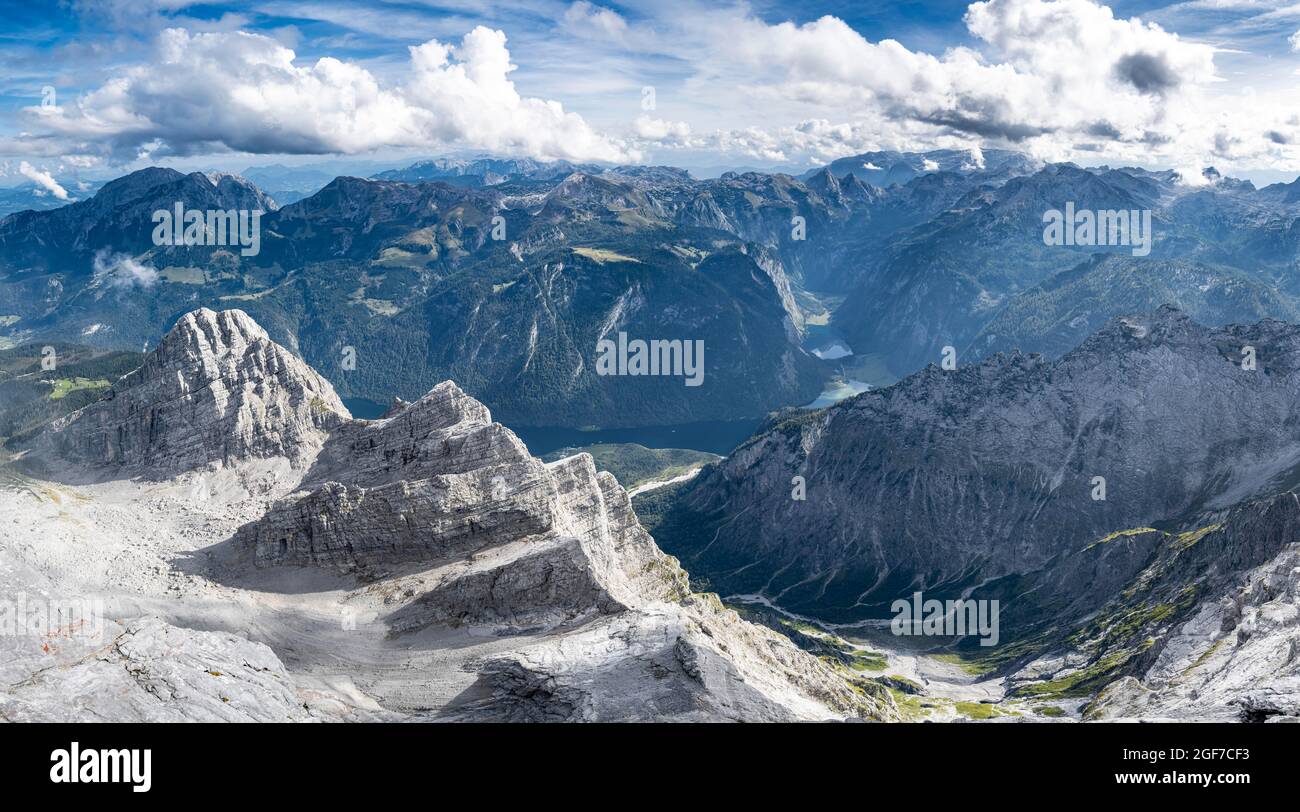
x=409 y=271
x=30 y=196
x=940 y=283
x=483 y=171
x=289 y=184
x=118 y=218
x=1282 y=192
x=410 y=278
x=889 y=168
x=1055 y=316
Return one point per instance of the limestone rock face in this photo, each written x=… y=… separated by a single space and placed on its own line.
x=440 y=525
x=1234 y=660
x=215 y=390
x=697 y=662
x=439 y=480
x=151 y=671
x=1203 y=625
x=523 y=545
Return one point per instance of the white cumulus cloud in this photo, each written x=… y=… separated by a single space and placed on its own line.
x=44 y=180
x=1055 y=78
x=1051 y=65
x=239 y=91
x=122 y=271
x=658 y=129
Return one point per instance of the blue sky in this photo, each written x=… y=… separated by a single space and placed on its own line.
x=769 y=84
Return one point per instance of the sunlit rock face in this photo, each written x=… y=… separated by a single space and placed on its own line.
x=533 y=588
x=216 y=390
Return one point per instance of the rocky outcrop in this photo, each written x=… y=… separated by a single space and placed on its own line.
x=1235 y=659
x=770 y=262
x=441 y=521
x=151 y=671
x=520 y=545
x=703 y=664
x=216 y=390
x=1208 y=628
x=439 y=480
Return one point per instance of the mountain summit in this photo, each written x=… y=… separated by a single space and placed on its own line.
x=474 y=582
x=216 y=389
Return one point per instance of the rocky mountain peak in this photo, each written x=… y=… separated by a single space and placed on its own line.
x=216 y=389
x=825 y=184
x=206 y=324
x=133 y=185
x=824 y=181
x=1167 y=339
x=854 y=187
x=435 y=520
x=238 y=189
x=587 y=193
x=506 y=544
x=1164 y=323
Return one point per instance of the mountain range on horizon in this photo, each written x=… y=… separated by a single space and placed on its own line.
x=407 y=270
x=933 y=394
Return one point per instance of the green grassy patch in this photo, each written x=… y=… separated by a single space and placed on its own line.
x=1080 y=683
x=184 y=275
x=62 y=386
x=911 y=708
x=1185 y=540
x=901 y=683
x=867 y=661
x=1207 y=654
x=971 y=665
x=1136 y=531
x=602 y=256
x=981 y=710
x=319 y=406
x=399 y=258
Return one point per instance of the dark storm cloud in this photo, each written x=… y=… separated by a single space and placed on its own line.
x=1149 y=73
